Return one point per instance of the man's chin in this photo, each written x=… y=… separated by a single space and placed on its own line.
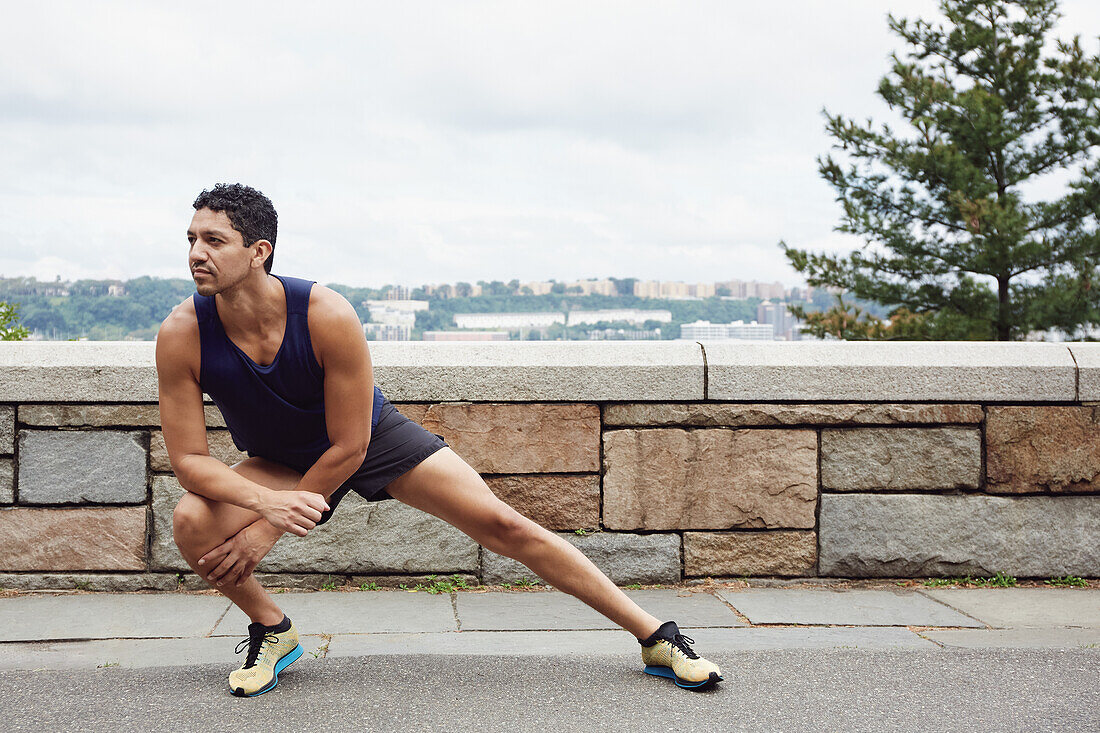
x=205 y=288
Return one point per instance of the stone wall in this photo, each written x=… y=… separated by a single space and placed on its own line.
x=661 y=461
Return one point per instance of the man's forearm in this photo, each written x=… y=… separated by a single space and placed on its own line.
x=333 y=468
x=209 y=477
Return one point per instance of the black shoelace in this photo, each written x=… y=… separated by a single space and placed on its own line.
x=681 y=642
x=254 y=642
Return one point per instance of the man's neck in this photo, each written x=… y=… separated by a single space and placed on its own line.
x=253 y=307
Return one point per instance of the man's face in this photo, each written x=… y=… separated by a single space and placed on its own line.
x=218 y=258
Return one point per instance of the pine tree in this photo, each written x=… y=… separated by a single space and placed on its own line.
x=991 y=104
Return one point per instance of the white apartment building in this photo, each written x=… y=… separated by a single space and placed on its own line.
x=630 y=315
x=465 y=335
x=404 y=305
x=387 y=332
x=539 y=319
x=738 y=330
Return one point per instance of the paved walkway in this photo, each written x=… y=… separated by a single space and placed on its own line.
x=132 y=630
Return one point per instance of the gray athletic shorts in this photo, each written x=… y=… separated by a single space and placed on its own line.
x=396 y=445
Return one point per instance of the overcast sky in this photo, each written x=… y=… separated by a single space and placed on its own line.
x=439 y=142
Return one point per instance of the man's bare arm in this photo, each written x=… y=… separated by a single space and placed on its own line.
x=342 y=351
x=184 y=427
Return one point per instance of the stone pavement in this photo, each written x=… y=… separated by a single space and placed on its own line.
x=44 y=631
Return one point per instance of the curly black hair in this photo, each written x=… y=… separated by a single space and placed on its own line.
x=249 y=211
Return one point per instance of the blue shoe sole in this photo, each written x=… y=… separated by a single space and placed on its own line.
x=706 y=684
x=282 y=664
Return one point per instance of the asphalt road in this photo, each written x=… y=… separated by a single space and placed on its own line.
x=790 y=690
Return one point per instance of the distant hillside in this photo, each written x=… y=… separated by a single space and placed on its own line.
x=114 y=310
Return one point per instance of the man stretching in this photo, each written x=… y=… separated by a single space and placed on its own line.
x=287 y=363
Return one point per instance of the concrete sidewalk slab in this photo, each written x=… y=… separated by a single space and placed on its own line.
x=1017 y=638
x=690 y=610
x=844 y=607
x=543 y=610
x=1025 y=607
x=357 y=612
x=108 y=616
x=708 y=642
x=131 y=653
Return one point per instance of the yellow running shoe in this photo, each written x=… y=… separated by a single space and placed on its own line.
x=666 y=654
x=270 y=650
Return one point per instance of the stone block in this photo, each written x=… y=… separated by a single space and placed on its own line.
x=555 y=501
x=86 y=371
x=889 y=371
x=220 y=443
x=98 y=582
x=1053 y=448
x=7 y=481
x=891 y=536
x=7 y=430
x=81 y=466
x=102 y=538
x=361 y=537
x=1087 y=357
x=901 y=459
x=520 y=438
x=101 y=416
x=528 y=371
x=669 y=478
x=415 y=411
x=625 y=558
x=727 y=554
x=739 y=414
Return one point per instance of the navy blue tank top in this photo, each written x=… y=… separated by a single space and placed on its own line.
x=275 y=411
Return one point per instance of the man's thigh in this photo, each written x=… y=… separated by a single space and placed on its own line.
x=220 y=520
x=446 y=486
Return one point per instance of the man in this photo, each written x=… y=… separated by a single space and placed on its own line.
x=287 y=363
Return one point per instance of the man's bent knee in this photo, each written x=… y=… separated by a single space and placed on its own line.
x=191 y=516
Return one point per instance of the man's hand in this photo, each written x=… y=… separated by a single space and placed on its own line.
x=296 y=512
x=235 y=559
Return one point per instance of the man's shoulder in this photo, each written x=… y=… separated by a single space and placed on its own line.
x=329 y=306
x=179 y=332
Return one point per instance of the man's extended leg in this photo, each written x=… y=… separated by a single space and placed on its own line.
x=199 y=525
x=446 y=486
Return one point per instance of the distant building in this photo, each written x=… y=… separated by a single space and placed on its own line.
x=116 y=291
x=623 y=334
x=403 y=305
x=594 y=287
x=738 y=330
x=630 y=315
x=786 y=325
x=509 y=320
x=538 y=287
x=465 y=335
x=387 y=332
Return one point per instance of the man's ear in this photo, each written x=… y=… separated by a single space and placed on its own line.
x=261 y=249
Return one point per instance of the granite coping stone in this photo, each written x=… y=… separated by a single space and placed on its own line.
x=1087 y=356
x=846 y=607
x=651 y=371
x=383 y=611
x=108 y=616
x=576 y=371
x=1024 y=607
x=874 y=371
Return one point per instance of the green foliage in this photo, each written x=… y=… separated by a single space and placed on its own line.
x=1067 y=581
x=329 y=584
x=10 y=329
x=987 y=112
x=371 y=585
x=999 y=580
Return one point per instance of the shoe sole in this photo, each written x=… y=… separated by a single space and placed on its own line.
x=279 y=667
x=706 y=684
